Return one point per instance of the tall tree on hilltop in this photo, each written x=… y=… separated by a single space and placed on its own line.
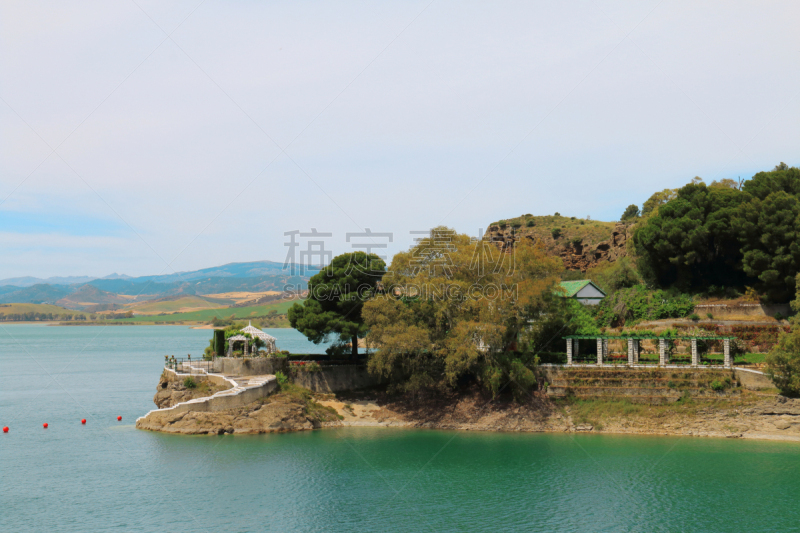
x=690 y=240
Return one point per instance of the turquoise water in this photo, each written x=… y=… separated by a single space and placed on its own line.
x=107 y=476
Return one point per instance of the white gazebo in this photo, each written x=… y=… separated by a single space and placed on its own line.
x=269 y=340
x=238 y=338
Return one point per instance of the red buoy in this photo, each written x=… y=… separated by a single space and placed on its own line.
x=83 y=421
x=5 y=429
x=119 y=418
x=44 y=425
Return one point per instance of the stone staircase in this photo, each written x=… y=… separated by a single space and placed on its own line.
x=641 y=385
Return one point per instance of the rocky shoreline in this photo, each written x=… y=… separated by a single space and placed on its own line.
x=751 y=416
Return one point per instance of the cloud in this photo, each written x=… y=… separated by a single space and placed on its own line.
x=392 y=115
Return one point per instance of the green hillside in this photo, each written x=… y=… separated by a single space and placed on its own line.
x=175 y=304
x=206 y=315
x=41 y=312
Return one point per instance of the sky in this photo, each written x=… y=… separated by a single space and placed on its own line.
x=145 y=137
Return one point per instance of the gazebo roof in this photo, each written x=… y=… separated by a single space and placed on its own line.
x=237 y=338
x=255 y=332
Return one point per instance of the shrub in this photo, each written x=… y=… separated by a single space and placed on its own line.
x=281 y=378
x=694 y=317
x=502 y=224
x=557 y=214
x=779 y=316
x=190 y=383
x=516 y=225
x=583 y=222
x=556 y=233
x=710 y=315
x=718 y=385
x=530 y=223
x=783 y=363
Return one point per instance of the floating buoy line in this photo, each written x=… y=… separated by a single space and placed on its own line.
x=45 y=425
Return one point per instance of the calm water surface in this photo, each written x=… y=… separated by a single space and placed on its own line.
x=107 y=476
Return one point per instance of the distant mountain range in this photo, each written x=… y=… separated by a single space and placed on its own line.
x=113 y=291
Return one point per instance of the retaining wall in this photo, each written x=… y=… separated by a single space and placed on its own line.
x=754 y=309
x=336 y=379
x=238 y=396
x=753 y=379
x=251 y=366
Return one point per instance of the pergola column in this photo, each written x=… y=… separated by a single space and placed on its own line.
x=599 y=351
x=695 y=355
x=727 y=349
x=569 y=352
x=637 y=346
x=630 y=352
x=230 y=348
x=662 y=352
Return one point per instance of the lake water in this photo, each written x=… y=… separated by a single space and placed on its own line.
x=108 y=476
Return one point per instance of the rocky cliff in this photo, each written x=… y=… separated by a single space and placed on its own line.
x=581 y=244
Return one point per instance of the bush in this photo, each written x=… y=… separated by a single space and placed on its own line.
x=557 y=214
x=694 y=317
x=637 y=303
x=779 y=316
x=718 y=385
x=281 y=378
x=530 y=223
x=190 y=383
x=556 y=233
x=710 y=315
x=783 y=363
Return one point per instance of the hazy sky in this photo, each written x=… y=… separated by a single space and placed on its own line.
x=143 y=138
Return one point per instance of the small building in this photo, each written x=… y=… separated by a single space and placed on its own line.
x=583 y=290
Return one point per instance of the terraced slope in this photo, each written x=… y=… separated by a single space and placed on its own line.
x=642 y=385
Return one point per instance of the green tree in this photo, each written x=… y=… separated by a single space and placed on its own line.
x=658 y=199
x=769 y=230
x=783 y=362
x=796 y=301
x=457 y=312
x=781 y=178
x=336 y=296
x=631 y=212
x=690 y=240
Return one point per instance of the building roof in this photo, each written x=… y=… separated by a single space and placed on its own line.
x=255 y=332
x=573 y=287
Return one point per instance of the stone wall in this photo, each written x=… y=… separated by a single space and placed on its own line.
x=251 y=366
x=237 y=397
x=336 y=379
x=753 y=379
x=743 y=309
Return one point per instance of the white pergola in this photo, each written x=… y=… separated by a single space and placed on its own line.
x=269 y=340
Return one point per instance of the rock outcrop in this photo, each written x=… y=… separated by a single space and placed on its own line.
x=258 y=417
x=576 y=251
x=171 y=390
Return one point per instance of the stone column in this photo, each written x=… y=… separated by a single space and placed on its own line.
x=569 y=352
x=695 y=355
x=662 y=352
x=599 y=351
x=230 y=349
x=630 y=352
x=727 y=347
x=637 y=347
x=605 y=349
